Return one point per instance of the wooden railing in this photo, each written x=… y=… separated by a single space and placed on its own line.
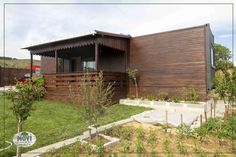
x=63 y=84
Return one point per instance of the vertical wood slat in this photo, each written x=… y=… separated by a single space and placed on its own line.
x=56 y=60
x=97 y=56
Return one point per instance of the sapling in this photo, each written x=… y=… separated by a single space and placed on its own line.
x=22 y=98
x=132 y=74
x=94 y=98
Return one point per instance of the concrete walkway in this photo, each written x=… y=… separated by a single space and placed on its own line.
x=42 y=150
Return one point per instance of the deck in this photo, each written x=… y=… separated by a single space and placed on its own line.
x=64 y=86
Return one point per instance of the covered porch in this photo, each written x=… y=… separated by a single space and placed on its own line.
x=93 y=52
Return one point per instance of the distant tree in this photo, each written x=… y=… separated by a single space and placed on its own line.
x=222 y=57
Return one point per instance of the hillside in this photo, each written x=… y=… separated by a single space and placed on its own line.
x=16 y=63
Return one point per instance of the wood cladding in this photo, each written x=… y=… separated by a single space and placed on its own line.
x=64 y=86
x=166 y=61
x=169 y=61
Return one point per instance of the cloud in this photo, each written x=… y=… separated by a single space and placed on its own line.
x=30 y=24
x=225 y=36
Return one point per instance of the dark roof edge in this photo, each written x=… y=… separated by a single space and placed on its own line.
x=113 y=34
x=175 y=30
x=81 y=36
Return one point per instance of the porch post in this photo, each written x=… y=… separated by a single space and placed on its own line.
x=96 y=56
x=31 y=65
x=56 y=61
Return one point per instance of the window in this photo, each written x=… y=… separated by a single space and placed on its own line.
x=89 y=65
x=212 y=58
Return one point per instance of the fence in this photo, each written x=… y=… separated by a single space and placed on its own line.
x=8 y=76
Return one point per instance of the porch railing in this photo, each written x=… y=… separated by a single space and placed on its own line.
x=63 y=84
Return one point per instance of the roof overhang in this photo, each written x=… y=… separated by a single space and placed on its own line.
x=116 y=41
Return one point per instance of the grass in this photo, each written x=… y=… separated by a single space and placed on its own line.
x=17 y=63
x=53 y=121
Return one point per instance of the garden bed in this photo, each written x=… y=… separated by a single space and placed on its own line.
x=62 y=120
x=145 y=139
x=164 y=104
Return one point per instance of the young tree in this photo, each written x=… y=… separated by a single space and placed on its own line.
x=222 y=57
x=132 y=74
x=95 y=97
x=22 y=98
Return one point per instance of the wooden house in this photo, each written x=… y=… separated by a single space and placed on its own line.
x=166 y=61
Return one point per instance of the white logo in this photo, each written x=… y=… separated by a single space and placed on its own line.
x=24 y=139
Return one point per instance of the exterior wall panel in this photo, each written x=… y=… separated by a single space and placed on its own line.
x=169 y=61
x=48 y=65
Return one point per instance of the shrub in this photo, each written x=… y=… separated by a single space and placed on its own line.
x=151 y=97
x=162 y=96
x=212 y=125
x=39 y=83
x=189 y=94
x=176 y=99
x=183 y=130
x=201 y=133
x=221 y=85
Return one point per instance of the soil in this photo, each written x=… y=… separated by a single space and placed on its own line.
x=210 y=145
x=128 y=138
x=97 y=140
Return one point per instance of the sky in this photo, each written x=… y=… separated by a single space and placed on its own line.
x=29 y=24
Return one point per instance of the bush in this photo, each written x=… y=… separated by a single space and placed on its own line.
x=183 y=130
x=163 y=96
x=39 y=83
x=176 y=99
x=201 y=133
x=151 y=97
x=189 y=94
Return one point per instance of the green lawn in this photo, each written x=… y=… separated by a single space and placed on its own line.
x=53 y=121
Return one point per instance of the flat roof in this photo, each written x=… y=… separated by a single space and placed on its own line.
x=92 y=33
